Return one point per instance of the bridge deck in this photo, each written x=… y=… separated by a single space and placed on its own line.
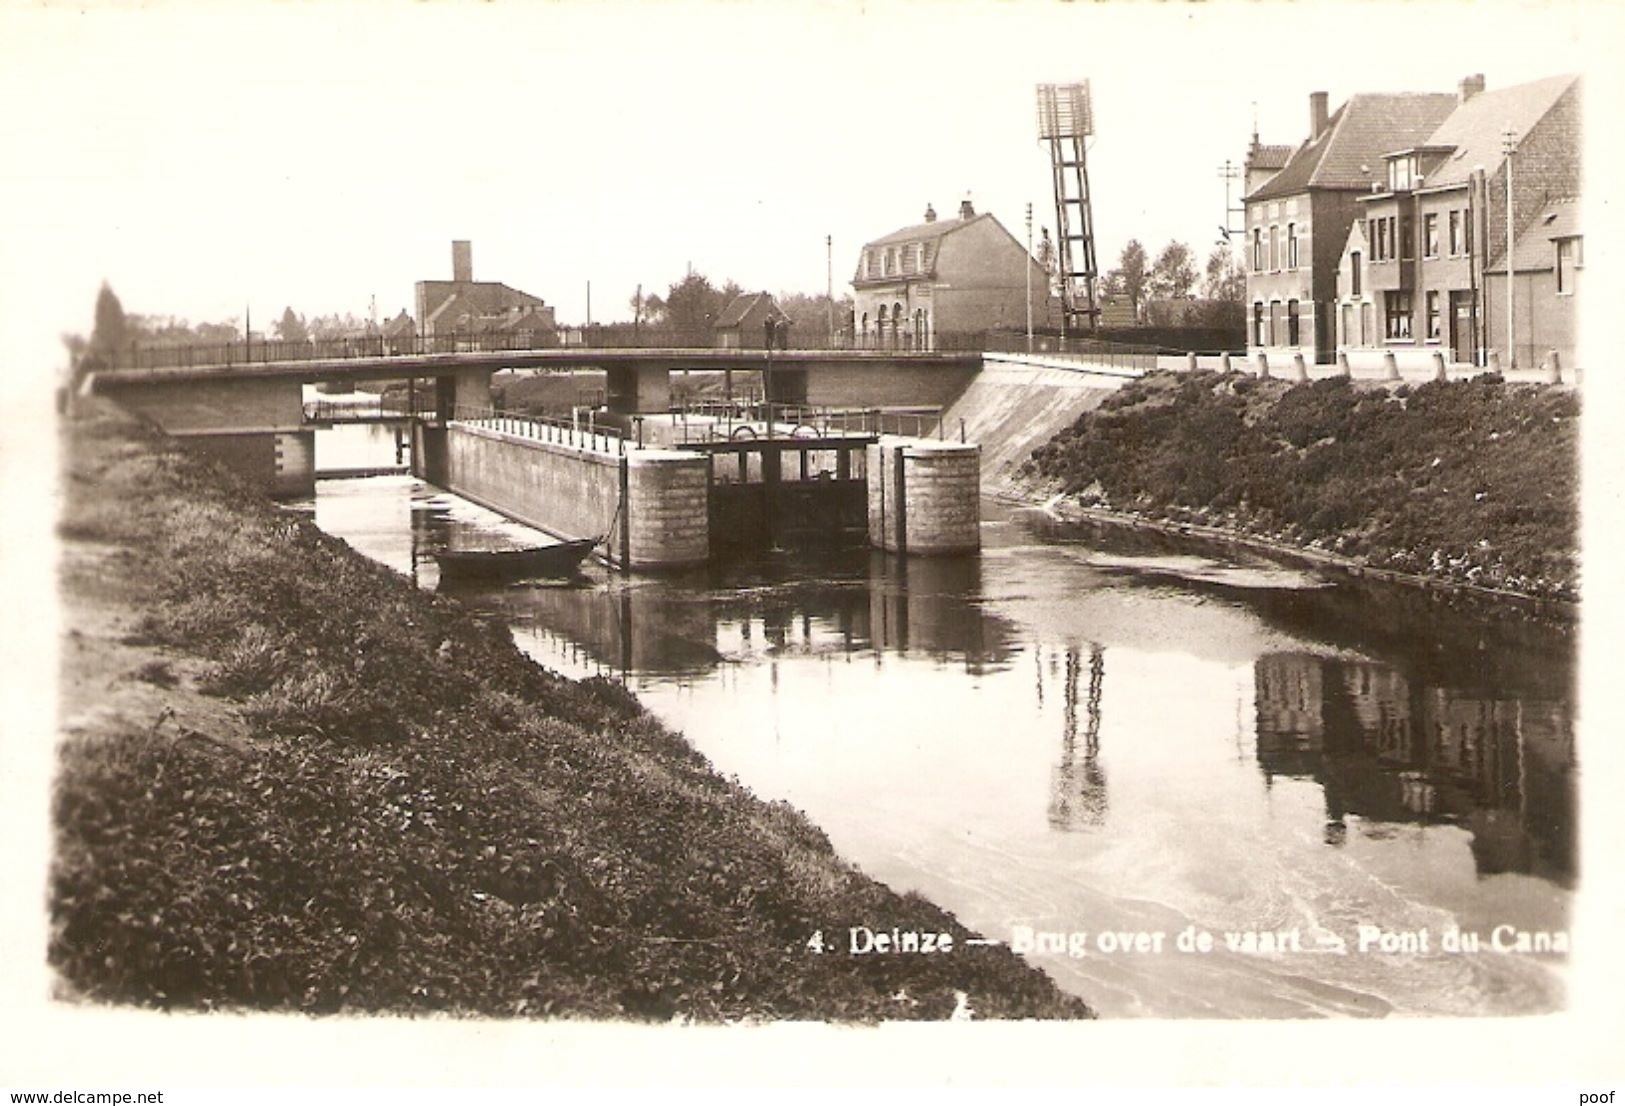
x=400 y=367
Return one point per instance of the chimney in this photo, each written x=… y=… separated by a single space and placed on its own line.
x=930 y=214
x=1471 y=86
x=462 y=261
x=1317 y=115
x=966 y=211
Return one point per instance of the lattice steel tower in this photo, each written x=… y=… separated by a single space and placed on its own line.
x=1065 y=120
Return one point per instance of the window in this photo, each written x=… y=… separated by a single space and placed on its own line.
x=1407 y=237
x=1467 y=231
x=911 y=259
x=1455 y=234
x=1291 y=322
x=1275 y=323
x=1348 y=325
x=1430 y=235
x=1399 y=174
x=1354 y=273
x=1258 y=250
x=1258 y=322
x=1433 y=316
x=1275 y=248
x=1397 y=315
x=1565 y=265
x=1292 y=245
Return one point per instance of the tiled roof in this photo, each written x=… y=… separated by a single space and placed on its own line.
x=1348 y=154
x=929 y=235
x=1475 y=127
x=735 y=312
x=923 y=232
x=1533 y=250
x=1268 y=157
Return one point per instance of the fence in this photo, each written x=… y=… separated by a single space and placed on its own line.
x=712 y=421
x=540 y=428
x=260 y=351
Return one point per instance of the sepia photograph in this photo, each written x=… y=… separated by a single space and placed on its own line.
x=892 y=544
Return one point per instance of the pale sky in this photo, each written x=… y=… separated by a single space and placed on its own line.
x=316 y=155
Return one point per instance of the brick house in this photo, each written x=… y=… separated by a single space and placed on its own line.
x=1419 y=271
x=1547 y=259
x=463 y=306
x=946 y=277
x=741 y=324
x=1298 y=221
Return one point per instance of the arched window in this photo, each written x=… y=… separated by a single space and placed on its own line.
x=1292 y=322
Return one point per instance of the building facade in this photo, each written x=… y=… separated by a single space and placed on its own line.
x=467 y=308
x=961 y=276
x=1298 y=220
x=1424 y=268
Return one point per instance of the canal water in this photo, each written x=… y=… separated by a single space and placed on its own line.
x=1102 y=747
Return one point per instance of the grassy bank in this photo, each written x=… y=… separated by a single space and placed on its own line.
x=1472 y=481
x=289 y=780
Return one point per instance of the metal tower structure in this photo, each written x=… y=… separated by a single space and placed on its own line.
x=1065 y=120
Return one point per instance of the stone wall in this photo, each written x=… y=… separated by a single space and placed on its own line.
x=940 y=496
x=572 y=492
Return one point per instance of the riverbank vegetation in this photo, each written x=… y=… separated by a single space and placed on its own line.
x=289 y=780
x=1472 y=481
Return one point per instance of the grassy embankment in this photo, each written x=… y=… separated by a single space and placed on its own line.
x=289 y=780
x=1472 y=482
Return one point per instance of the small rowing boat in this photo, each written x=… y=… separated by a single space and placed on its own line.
x=515 y=564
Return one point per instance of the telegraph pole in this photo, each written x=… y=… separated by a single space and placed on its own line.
x=1509 y=143
x=1029 y=277
x=829 y=283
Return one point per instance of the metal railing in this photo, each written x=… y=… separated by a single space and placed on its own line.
x=577 y=433
x=732 y=420
x=375 y=346
x=269 y=351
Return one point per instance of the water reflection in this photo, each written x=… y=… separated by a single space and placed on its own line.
x=1392 y=751
x=1078 y=790
x=689 y=625
x=1268 y=752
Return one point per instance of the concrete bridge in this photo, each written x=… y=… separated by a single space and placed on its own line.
x=656 y=505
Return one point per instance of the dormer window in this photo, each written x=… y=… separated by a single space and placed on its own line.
x=1401 y=171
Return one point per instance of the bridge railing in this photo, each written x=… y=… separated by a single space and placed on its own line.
x=720 y=421
x=268 y=351
x=580 y=433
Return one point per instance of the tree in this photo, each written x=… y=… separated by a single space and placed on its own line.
x=112 y=331
x=810 y=315
x=692 y=307
x=291 y=327
x=1224 y=279
x=1174 y=273
x=1130 y=277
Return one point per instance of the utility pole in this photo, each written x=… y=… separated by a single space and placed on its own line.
x=1228 y=173
x=1029 y=277
x=1509 y=143
x=829 y=283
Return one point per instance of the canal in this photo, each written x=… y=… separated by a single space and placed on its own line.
x=1081 y=736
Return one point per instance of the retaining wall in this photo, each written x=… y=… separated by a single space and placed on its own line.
x=572 y=492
